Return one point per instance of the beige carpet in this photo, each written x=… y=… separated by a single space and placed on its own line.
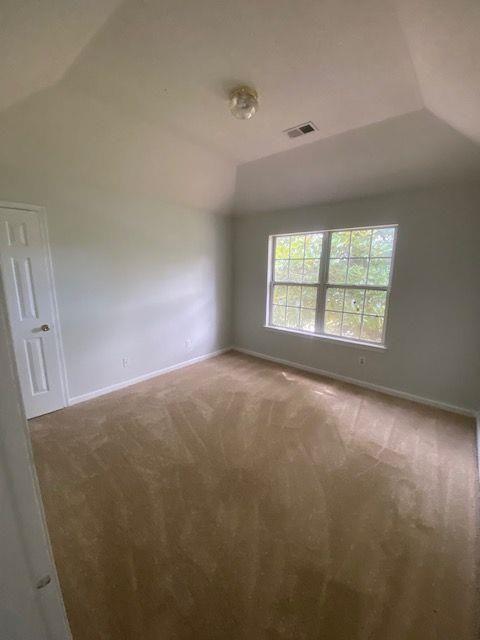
x=242 y=500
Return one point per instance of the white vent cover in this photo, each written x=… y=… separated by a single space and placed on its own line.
x=301 y=130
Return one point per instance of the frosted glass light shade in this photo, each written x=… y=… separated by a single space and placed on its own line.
x=243 y=103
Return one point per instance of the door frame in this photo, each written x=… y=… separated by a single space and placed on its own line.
x=24 y=494
x=41 y=212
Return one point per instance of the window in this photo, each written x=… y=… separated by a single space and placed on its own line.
x=332 y=283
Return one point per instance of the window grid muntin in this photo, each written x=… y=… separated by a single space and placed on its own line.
x=303 y=259
x=361 y=313
x=297 y=283
x=370 y=260
x=323 y=284
x=301 y=307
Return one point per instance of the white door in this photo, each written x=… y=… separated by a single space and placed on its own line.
x=25 y=268
x=31 y=606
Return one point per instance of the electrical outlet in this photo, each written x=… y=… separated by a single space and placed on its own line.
x=362 y=360
x=188 y=344
x=124 y=362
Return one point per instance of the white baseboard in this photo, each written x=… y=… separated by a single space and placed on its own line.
x=295 y=365
x=361 y=383
x=146 y=376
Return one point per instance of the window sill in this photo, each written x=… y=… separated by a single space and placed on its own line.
x=317 y=336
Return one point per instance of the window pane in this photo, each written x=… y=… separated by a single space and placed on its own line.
x=382 y=242
x=333 y=322
x=293 y=317
x=280 y=294
x=351 y=325
x=337 y=271
x=307 y=320
x=295 y=273
x=297 y=247
x=358 y=259
x=375 y=302
x=282 y=247
x=297 y=258
x=278 y=315
x=372 y=328
x=354 y=300
x=334 y=300
x=311 y=270
x=281 y=270
x=379 y=272
x=360 y=243
x=309 y=297
x=294 y=296
x=313 y=245
x=357 y=271
x=340 y=243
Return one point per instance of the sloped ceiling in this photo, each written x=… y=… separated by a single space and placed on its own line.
x=443 y=37
x=59 y=138
x=410 y=151
x=341 y=64
x=40 y=40
x=369 y=73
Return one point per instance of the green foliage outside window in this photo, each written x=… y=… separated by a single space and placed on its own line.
x=353 y=298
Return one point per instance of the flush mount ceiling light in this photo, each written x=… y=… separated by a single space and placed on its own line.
x=243 y=102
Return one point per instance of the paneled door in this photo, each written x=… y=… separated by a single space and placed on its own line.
x=28 y=285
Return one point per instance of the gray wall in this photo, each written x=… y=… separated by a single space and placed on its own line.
x=433 y=333
x=134 y=278
x=140 y=246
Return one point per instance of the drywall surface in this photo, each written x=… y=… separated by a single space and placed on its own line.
x=433 y=335
x=135 y=279
x=412 y=151
x=139 y=243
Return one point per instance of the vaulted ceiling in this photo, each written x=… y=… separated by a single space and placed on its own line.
x=347 y=65
x=40 y=40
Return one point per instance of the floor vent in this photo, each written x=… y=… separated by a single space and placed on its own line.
x=301 y=130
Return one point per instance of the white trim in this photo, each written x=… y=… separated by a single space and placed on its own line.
x=324 y=336
x=146 y=376
x=26 y=496
x=21 y=206
x=361 y=383
x=322 y=285
x=54 y=302
x=302 y=233
x=42 y=216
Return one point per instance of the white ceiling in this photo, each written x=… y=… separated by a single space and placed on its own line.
x=345 y=64
x=410 y=151
x=341 y=64
x=70 y=141
x=40 y=40
x=444 y=42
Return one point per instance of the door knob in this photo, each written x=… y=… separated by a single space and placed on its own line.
x=45 y=327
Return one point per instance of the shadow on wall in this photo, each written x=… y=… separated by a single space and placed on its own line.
x=143 y=305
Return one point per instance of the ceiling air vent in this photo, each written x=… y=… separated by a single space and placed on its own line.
x=301 y=130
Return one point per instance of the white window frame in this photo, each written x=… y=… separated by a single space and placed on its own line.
x=322 y=287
